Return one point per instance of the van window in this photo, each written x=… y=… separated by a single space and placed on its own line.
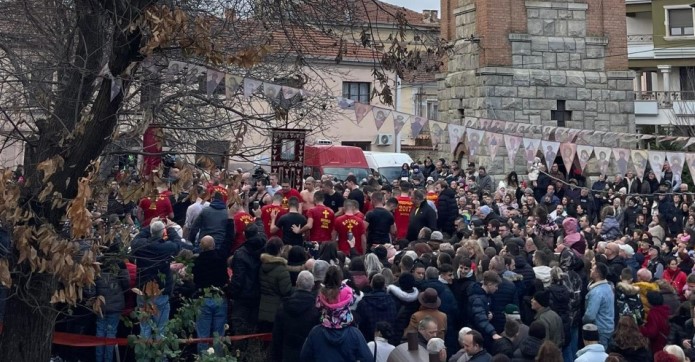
x=391 y=173
x=341 y=173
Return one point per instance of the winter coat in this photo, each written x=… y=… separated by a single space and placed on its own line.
x=212 y=221
x=506 y=294
x=573 y=239
x=335 y=345
x=293 y=322
x=592 y=353
x=275 y=285
x=554 y=329
x=611 y=229
x=374 y=307
x=112 y=284
x=671 y=301
x=460 y=290
x=628 y=302
x=434 y=314
x=421 y=216
x=481 y=356
x=504 y=346
x=486 y=184
x=479 y=307
x=560 y=304
x=447 y=211
x=632 y=355
x=153 y=256
x=615 y=268
x=407 y=304
x=527 y=350
x=210 y=270
x=676 y=279
x=449 y=307
x=600 y=306
x=644 y=288
x=657 y=328
x=244 y=286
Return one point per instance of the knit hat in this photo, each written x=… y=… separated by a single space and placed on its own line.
x=485 y=210
x=380 y=252
x=590 y=332
x=511 y=311
x=320 y=269
x=542 y=298
x=655 y=298
x=437 y=236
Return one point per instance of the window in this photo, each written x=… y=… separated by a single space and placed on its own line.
x=680 y=22
x=687 y=78
x=433 y=110
x=357 y=91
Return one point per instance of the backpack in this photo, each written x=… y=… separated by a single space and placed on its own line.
x=630 y=305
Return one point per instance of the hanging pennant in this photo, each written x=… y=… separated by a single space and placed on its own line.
x=603 y=156
x=639 y=162
x=361 y=111
x=584 y=152
x=474 y=137
x=496 y=127
x=610 y=139
x=531 y=146
x=289 y=92
x=656 y=162
x=584 y=137
x=231 y=85
x=116 y=86
x=512 y=143
x=572 y=134
x=305 y=93
x=271 y=91
x=399 y=120
x=346 y=103
x=494 y=141
x=510 y=128
x=549 y=149
x=675 y=160
x=191 y=73
x=522 y=129
x=562 y=135
x=455 y=133
x=567 y=152
x=690 y=160
x=380 y=116
x=622 y=158
x=174 y=70
x=251 y=86
x=438 y=133
x=472 y=123
x=691 y=140
x=484 y=123
x=416 y=125
x=212 y=80
x=547 y=131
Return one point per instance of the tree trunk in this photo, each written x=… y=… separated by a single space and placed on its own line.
x=29 y=319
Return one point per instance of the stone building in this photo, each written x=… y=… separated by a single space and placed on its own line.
x=556 y=63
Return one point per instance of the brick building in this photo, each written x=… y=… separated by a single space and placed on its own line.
x=551 y=63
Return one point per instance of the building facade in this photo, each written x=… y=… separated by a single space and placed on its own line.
x=661 y=49
x=548 y=63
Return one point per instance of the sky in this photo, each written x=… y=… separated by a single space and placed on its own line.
x=417 y=5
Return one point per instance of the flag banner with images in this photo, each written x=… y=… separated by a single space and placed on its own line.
x=494 y=141
x=416 y=125
x=584 y=152
x=456 y=131
x=567 y=151
x=474 y=138
x=438 y=133
x=622 y=159
x=531 y=146
x=549 y=150
x=399 y=120
x=512 y=144
x=380 y=116
x=656 y=162
x=603 y=156
x=639 y=161
x=361 y=111
x=675 y=160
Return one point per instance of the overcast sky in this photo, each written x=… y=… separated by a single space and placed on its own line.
x=417 y=5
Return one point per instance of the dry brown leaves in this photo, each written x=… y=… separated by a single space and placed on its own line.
x=50 y=166
x=79 y=216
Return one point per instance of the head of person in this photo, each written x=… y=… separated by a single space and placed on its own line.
x=157 y=229
x=419 y=271
x=273 y=246
x=207 y=243
x=599 y=272
x=305 y=281
x=482 y=171
x=327 y=186
x=378 y=198
x=428 y=328
x=590 y=334
x=319 y=197
x=540 y=300
x=491 y=281
x=378 y=283
x=473 y=342
x=436 y=346
x=418 y=197
x=293 y=203
x=351 y=181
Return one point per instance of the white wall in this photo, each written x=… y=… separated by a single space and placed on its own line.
x=641 y=24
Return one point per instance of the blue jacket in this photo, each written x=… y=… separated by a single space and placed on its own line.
x=212 y=221
x=479 y=306
x=375 y=307
x=153 y=258
x=506 y=294
x=600 y=306
x=611 y=229
x=335 y=345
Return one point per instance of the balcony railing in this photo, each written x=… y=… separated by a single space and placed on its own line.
x=640 y=38
x=664 y=99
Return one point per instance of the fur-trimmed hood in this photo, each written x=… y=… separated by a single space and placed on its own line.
x=627 y=288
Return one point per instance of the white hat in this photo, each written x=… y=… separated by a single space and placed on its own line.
x=430 y=179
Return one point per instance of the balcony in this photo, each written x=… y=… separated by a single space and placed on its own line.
x=665 y=99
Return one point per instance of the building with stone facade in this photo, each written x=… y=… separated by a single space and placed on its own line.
x=551 y=63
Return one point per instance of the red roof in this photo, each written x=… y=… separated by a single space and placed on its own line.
x=379 y=12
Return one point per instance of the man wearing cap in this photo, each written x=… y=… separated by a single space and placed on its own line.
x=429 y=307
x=600 y=303
x=512 y=313
x=593 y=350
x=628 y=254
x=554 y=329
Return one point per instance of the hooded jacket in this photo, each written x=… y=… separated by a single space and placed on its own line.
x=528 y=349
x=644 y=288
x=374 y=307
x=610 y=229
x=447 y=211
x=153 y=256
x=479 y=307
x=112 y=283
x=407 y=304
x=275 y=285
x=335 y=345
x=212 y=221
x=628 y=302
x=293 y=322
x=553 y=326
x=336 y=314
x=573 y=239
x=244 y=286
x=543 y=274
x=591 y=353
x=657 y=327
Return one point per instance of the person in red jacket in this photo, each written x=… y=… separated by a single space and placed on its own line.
x=675 y=276
x=657 y=328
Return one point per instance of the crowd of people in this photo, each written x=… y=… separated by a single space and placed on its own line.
x=548 y=268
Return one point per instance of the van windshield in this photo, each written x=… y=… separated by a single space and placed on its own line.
x=341 y=173
x=391 y=173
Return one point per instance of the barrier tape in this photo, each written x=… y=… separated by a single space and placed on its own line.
x=79 y=340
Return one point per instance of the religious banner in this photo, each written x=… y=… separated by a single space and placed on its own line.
x=562 y=135
x=471 y=123
x=271 y=91
x=603 y=157
x=531 y=146
x=675 y=160
x=610 y=139
x=547 y=131
x=346 y=103
x=567 y=151
x=549 y=150
x=380 y=116
x=191 y=73
x=639 y=162
x=361 y=111
x=399 y=120
x=512 y=144
x=231 y=84
x=691 y=141
x=510 y=128
x=496 y=127
x=437 y=133
x=174 y=70
x=494 y=141
x=152 y=142
x=622 y=158
x=251 y=86
x=584 y=137
x=522 y=129
x=212 y=80
x=287 y=155
x=416 y=125
x=584 y=152
x=484 y=123
x=475 y=136
x=455 y=133
x=656 y=162
x=289 y=92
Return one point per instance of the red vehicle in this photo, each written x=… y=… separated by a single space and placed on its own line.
x=337 y=161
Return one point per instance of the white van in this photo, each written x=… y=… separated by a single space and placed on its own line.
x=388 y=164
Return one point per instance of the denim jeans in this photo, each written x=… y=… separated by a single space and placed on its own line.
x=570 y=351
x=605 y=339
x=211 y=321
x=159 y=320
x=106 y=327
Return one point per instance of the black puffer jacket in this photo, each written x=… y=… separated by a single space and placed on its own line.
x=447 y=210
x=246 y=263
x=505 y=294
x=293 y=322
x=560 y=304
x=528 y=350
x=112 y=283
x=374 y=307
x=478 y=307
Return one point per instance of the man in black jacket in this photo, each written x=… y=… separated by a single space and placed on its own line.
x=447 y=208
x=244 y=288
x=210 y=278
x=294 y=320
x=375 y=306
x=421 y=216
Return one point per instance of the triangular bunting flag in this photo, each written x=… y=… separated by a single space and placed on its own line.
x=690 y=160
x=289 y=92
x=603 y=156
x=116 y=86
x=416 y=125
x=690 y=142
x=271 y=91
x=212 y=80
x=475 y=136
x=531 y=146
x=656 y=162
x=494 y=141
x=567 y=152
x=622 y=158
x=547 y=131
x=251 y=86
x=549 y=150
x=361 y=111
x=639 y=162
x=455 y=133
x=584 y=153
x=380 y=116
x=675 y=160
x=399 y=120
x=231 y=85
x=437 y=133
x=512 y=144
x=346 y=103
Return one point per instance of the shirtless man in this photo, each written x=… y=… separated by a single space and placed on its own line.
x=308 y=194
